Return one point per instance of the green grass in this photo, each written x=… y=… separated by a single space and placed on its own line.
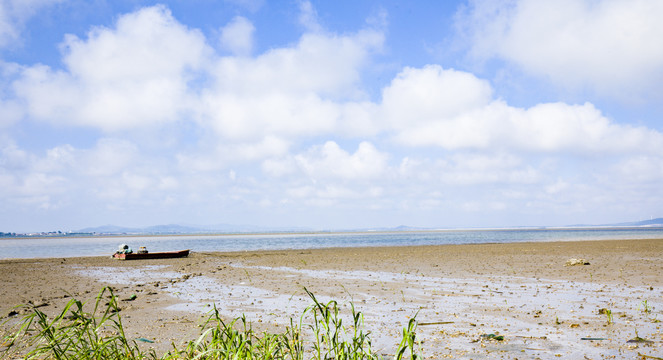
x=318 y=334
x=646 y=308
x=608 y=315
x=75 y=334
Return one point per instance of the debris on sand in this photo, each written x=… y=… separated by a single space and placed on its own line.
x=573 y=262
x=638 y=339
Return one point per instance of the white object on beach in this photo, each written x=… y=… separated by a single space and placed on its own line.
x=572 y=262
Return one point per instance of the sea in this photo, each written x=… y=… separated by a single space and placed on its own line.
x=73 y=246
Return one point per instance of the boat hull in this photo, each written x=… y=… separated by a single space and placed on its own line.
x=154 y=255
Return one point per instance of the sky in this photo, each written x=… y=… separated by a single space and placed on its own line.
x=329 y=114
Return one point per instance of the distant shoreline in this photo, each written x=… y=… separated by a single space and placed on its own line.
x=332 y=232
x=103 y=245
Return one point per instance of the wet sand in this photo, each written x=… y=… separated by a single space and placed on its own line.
x=522 y=291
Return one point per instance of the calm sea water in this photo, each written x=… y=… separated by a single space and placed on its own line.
x=99 y=246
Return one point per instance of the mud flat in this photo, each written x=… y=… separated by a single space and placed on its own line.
x=516 y=300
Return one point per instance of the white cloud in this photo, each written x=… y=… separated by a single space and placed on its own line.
x=119 y=78
x=113 y=173
x=110 y=157
x=242 y=118
x=12 y=158
x=454 y=110
x=556 y=188
x=429 y=94
x=237 y=36
x=60 y=159
x=10 y=113
x=330 y=194
x=222 y=155
x=270 y=146
x=330 y=163
x=641 y=169
x=308 y=17
x=24 y=183
x=127 y=77
x=7 y=27
x=328 y=65
x=612 y=47
x=481 y=206
x=291 y=92
x=471 y=169
x=357 y=119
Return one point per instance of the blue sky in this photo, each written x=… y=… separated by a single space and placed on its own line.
x=329 y=115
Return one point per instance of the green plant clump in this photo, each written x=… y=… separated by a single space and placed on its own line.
x=75 y=334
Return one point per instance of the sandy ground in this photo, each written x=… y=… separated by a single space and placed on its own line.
x=522 y=291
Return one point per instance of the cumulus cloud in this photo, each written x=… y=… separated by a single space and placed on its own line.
x=612 y=47
x=294 y=91
x=454 y=110
x=242 y=118
x=330 y=161
x=429 y=94
x=126 y=77
x=325 y=64
x=118 y=78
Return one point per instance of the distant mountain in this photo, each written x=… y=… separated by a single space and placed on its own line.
x=650 y=223
x=658 y=222
x=228 y=228
x=183 y=229
x=109 y=229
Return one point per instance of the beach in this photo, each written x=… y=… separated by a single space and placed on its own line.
x=524 y=292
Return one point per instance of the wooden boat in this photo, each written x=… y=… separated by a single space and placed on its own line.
x=152 y=255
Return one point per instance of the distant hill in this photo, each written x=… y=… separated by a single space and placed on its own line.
x=183 y=229
x=228 y=228
x=658 y=222
x=650 y=223
x=109 y=229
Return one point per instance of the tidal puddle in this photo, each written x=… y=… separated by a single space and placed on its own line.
x=124 y=276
